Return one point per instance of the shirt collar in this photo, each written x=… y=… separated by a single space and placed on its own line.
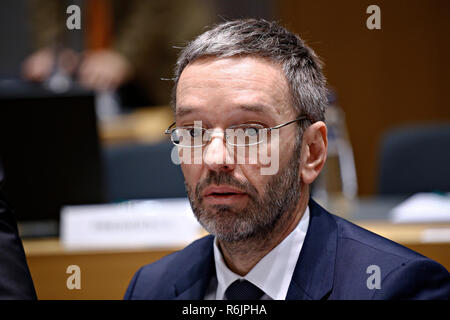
x=273 y=273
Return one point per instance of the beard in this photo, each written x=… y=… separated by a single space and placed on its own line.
x=261 y=214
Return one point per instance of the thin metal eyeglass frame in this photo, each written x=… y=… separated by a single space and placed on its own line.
x=169 y=131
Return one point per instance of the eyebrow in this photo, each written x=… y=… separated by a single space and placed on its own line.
x=182 y=111
x=258 y=108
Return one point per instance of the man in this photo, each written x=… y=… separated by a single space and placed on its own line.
x=268 y=239
x=15 y=278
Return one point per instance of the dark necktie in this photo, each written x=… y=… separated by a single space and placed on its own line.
x=243 y=290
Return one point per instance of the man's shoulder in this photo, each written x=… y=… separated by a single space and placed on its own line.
x=403 y=272
x=359 y=238
x=180 y=259
x=155 y=277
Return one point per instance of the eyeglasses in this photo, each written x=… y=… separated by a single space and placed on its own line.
x=241 y=135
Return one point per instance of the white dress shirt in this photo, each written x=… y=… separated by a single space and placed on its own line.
x=272 y=274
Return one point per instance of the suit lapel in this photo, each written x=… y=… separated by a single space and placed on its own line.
x=314 y=272
x=196 y=274
x=196 y=291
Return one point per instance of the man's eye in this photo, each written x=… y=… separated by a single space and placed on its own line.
x=251 y=131
x=195 y=132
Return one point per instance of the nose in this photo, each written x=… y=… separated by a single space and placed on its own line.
x=217 y=156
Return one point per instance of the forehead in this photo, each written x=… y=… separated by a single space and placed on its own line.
x=235 y=81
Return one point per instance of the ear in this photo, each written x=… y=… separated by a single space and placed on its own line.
x=314 y=151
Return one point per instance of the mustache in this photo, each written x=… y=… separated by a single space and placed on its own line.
x=219 y=178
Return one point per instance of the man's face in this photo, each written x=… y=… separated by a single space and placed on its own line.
x=234 y=201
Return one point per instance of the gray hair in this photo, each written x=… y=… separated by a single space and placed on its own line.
x=266 y=39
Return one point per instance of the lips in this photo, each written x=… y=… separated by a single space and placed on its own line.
x=224 y=195
x=222 y=191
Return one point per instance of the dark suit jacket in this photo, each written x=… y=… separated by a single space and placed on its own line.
x=15 y=277
x=332 y=265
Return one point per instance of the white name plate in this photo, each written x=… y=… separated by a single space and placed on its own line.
x=423 y=208
x=161 y=223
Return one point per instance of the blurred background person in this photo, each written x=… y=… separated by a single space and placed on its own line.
x=125 y=45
